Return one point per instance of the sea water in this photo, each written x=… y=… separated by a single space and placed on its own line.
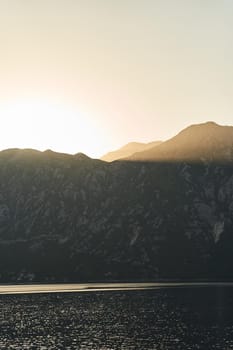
x=163 y=318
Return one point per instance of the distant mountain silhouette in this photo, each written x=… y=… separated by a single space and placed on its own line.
x=129 y=150
x=207 y=141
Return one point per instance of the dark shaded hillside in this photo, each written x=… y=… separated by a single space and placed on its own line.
x=72 y=218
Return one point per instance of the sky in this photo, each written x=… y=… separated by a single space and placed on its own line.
x=91 y=75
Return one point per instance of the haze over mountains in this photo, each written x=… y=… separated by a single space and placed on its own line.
x=167 y=214
x=128 y=150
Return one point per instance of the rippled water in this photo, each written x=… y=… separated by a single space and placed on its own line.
x=176 y=318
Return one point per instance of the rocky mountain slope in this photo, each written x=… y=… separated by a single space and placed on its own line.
x=208 y=141
x=72 y=218
x=128 y=150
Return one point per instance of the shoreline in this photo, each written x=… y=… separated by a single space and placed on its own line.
x=101 y=287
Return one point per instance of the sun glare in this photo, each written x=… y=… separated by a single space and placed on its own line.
x=44 y=125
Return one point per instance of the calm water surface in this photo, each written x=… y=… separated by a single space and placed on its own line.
x=168 y=318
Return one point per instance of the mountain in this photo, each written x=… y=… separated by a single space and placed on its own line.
x=129 y=150
x=72 y=218
x=208 y=141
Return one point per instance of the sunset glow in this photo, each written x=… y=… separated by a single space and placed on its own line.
x=121 y=71
x=42 y=125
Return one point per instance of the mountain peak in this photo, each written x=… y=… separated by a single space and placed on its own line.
x=81 y=156
x=202 y=126
x=208 y=123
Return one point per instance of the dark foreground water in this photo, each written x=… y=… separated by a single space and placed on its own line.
x=175 y=318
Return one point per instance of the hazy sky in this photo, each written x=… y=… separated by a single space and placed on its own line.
x=91 y=75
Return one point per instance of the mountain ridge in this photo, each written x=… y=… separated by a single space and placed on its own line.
x=128 y=149
x=206 y=140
